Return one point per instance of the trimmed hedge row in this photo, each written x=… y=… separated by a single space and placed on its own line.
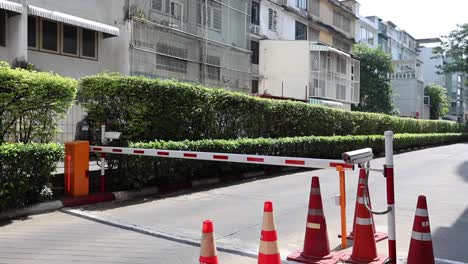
x=137 y=171
x=24 y=173
x=151 y=109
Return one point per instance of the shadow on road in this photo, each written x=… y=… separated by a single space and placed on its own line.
x=463 y=170
x=450 y=242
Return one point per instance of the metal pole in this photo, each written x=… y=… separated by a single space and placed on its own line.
x=103 y=160
x=342 y=206
x=389 y=174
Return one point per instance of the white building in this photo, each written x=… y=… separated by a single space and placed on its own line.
x=455 y=83
x=367 y=30
x=302 y=50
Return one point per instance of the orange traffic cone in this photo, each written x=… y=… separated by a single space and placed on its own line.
x=208 y=253
x=269 y=251
x=364 y=248
x=421 y=251
x=316 y=244
x=379 y=236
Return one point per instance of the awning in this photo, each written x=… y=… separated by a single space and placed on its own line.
x=11 y=6
x=318 y=47
x=72 y=20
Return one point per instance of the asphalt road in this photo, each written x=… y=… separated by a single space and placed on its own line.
x=166 y=230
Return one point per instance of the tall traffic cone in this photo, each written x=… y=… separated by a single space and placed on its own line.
x=269 y=251
x=421 y=251
x=364 y=248
x=316 y=244
x=208 y=253
x=379 y=236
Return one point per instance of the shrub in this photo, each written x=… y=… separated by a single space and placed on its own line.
x=31 y=103
x=150 y=109
x=24 y=172
x=139 y=171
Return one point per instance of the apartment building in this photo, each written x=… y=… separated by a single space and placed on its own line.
x=202 y=41
x=302 y=50
x=455 y=83
x=407 y=80
x=367 y=31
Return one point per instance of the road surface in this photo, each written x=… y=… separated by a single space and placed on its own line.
x=166 y=230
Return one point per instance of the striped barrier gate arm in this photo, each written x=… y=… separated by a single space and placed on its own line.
x=226 y=157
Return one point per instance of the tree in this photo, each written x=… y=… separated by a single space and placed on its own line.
x=439 y=102
x=376 y=91
x=455 y=48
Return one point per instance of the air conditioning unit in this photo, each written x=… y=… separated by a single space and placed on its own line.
x=255 y=29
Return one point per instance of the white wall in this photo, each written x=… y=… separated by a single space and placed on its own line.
x=430 y=66
x=286 y=27
x=284 y=66
x=409 y=96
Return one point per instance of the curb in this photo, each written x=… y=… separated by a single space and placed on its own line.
x=124 y=195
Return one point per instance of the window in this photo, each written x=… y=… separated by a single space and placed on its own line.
x=301 y=31
x=314 y=35
x=32 y=32
x=49 y=36
x=213 y=70
x=370 y=39
x=272 y=19
x=342 y=22
x=88 y=43
x=176 y=10
x=255 y=16
x=160 y=5
x=315 y=7
x=254 y=47
x=2 y=28
x=302 y=4
x=254 y=86
x=363 y=34
x=215 y=15
x=341 y=65
x=69 y=40
x=171 y=64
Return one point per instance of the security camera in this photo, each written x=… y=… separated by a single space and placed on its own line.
x=360 y=156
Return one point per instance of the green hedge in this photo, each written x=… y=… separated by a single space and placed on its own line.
x=24 y=172
x=137 y=171
x=150 y=109
x=31 y=103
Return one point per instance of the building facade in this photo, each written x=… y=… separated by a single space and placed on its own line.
x=367 y=29
x=455 y=83
x=407 y=79
x=321 y=31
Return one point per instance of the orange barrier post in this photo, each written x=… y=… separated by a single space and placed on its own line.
x=208 y=254
x=379 y=236
x=269 y=251
x=421 y=251
x=316 y=243
x=364 y=248
x=342 y=206
x=76 y=168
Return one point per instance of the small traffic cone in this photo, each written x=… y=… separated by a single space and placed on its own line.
x=316 y=244
x=421 y=251
x=379 y=236
x=208 y=253
x=269 y=251
x=364 y=248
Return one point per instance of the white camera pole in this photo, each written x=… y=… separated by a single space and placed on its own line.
x=389 y=174
x=103 y=159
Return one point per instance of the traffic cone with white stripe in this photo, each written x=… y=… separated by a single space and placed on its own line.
x=379 y=236
x=269 y=251
x=316 y=244
x=208 y=253
x=421 y=251
x=364 y=248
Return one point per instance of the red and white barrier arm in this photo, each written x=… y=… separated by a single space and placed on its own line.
x=226 y=157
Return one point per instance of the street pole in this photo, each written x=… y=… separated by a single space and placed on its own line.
x=389 y=174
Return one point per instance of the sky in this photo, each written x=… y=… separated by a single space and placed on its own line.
x=420 y=18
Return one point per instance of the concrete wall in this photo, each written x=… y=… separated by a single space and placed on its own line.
x=429 y=67
x=284 y=66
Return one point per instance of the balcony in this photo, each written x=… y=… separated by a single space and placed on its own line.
x=407 y=69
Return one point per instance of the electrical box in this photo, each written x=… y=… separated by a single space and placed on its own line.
x=76 y=177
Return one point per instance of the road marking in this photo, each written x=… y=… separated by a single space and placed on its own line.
x=449 y=261
x=223 y=245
